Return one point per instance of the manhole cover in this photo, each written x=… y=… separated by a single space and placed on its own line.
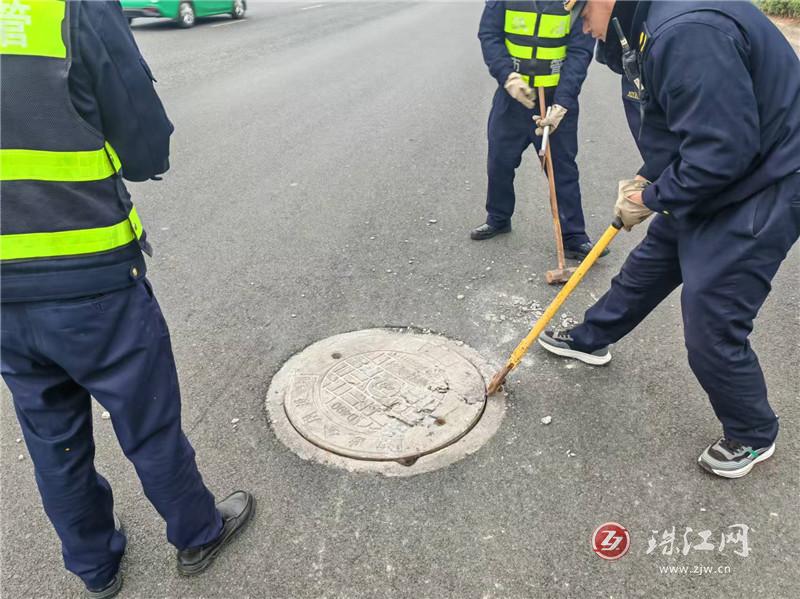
x=381 y=395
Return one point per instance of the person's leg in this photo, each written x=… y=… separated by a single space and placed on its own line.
x=123 y=357
x=564 y=152
x=508 y=133
x=55 y=415
x=728 y=262
x=650 y=273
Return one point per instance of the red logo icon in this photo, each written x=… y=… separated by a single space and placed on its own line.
x=611 y=540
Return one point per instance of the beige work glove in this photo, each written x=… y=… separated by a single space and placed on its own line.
x=553 y=119
x=631 y=213
x=519 y=90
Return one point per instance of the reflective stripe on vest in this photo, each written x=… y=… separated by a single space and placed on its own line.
x=70 y=243
x=521 y=23
x=35 y=29
x=554 y=26
x=32 y=28
x=41 y=165
x=542 y=62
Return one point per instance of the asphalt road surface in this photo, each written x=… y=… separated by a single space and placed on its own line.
x=315 y=145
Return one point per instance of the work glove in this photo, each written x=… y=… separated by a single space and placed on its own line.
x=519 y=90
x=631 y=213
x=553 y=119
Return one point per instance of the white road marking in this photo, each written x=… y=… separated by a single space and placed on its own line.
x=231 y=22
x=314 y=6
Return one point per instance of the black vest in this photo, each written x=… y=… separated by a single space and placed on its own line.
x=65 y=210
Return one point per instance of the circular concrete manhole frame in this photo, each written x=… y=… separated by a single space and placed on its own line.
x=444 y=442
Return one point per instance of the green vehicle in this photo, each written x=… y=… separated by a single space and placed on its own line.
x=184 y=12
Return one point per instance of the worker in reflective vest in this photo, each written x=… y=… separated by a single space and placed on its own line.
x=79 y=113
x=718 y=128
x=528 y=45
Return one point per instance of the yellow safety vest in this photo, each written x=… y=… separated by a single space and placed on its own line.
x=58 y=176
x=536 y=38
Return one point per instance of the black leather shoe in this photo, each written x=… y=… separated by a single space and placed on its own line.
x=487 y=231
x=236 y=509
x=110 y=590
x=579 y=252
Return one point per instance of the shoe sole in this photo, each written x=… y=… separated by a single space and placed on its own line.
x=205 y=564
x=576 y=355
x=741 y=471
x=575 y=256
x=490 y=236
x=107 y=593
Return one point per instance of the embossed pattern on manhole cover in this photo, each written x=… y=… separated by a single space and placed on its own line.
x=381 y=395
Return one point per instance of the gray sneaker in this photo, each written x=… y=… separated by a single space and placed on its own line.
x=731 y=459
x=561 y=343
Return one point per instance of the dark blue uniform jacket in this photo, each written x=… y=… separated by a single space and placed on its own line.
x=111 y=87
x=721 y=102
x=580 y=48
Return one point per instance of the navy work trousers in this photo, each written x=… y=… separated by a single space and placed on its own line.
x=726 y=263
x=116 y=347
x=511 y=131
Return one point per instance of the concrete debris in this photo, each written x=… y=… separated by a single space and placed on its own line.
x=105 y=415
x=234 y=421
x=547 y=420
x=567 y=322
x=432 y=221
x=18 y=440
x=20 y=457
x=460 y=296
